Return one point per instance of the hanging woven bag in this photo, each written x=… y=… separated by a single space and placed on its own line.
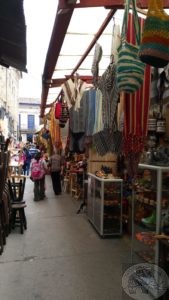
x=154 y=47
x=58 y=110
x=130 y=70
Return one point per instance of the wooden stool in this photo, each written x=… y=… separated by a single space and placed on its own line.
x=16 y=189
x=18 y=217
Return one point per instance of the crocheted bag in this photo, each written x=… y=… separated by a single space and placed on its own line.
x=130 y=70
x=154 y=47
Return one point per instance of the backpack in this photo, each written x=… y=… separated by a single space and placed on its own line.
x=37 y=170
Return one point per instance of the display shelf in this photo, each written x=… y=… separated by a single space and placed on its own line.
x=150 y=201
x=105 y=204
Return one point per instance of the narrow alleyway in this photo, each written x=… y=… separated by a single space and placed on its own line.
x=60 y=256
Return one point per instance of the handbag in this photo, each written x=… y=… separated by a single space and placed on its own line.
x=154 y=47
x=58 y=110
x=130 y=69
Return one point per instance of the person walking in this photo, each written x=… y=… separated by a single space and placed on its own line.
x=56 y=162
x=27 y=162
x=38 y=170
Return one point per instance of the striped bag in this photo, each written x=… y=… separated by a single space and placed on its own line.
x=154 y=47
x=130 y=70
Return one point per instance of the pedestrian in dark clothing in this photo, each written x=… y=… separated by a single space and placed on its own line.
x=27 y=162
x=56 y=162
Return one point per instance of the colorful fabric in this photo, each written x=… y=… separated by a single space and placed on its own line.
x=58 y=110
x=154 y=48
x=136 y=107
x=130 y=70
x=55 y=129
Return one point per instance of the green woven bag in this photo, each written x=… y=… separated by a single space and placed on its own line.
x=154 y=47
x=130 y=69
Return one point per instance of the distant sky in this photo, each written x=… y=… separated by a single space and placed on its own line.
x=40 y=16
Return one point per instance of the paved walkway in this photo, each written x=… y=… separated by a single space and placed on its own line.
x=60 y=256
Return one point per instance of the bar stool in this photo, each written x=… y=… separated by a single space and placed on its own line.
x=16 y=186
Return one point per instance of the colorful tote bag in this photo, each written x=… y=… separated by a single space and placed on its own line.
x=154 y=47
x=130 y=69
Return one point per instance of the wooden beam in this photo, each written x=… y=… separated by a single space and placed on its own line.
x=119 y=4
x=57 y=82
x=61 y=24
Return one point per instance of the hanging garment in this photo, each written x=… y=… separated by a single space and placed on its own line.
x=98 y=126
x=73 y=91
x=110 y=94
x=107 y=141
x=95 y=64
x=90 y=111
x=77 y=118
x=116 y=40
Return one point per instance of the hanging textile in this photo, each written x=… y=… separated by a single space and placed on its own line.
x=73 y=90
x=115 y=41
x=77 y=118
x=136 y=108
x=95 y=64
x=110 y=94
x=98 y=126
x=90 y=111
x=104 y=139
x=55 y=130
x=107 y=141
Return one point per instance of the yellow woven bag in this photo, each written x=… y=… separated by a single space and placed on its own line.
x=154 y=47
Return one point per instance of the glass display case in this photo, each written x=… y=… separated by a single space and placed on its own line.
x=151 y=204
x=104 y=205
